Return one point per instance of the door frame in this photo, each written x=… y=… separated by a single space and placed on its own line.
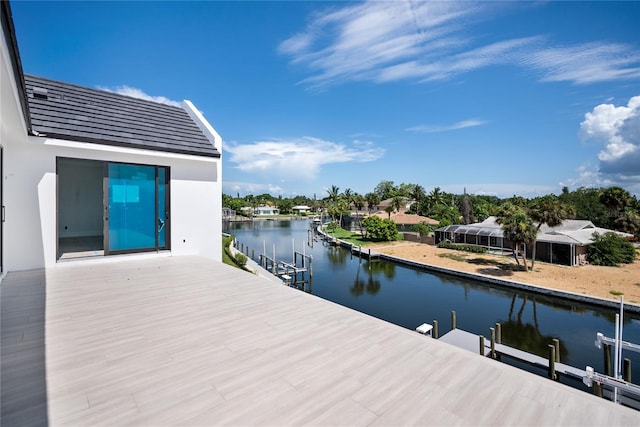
x=105 y=203
x=106 y=213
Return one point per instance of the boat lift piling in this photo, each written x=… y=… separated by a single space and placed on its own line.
x=617 y=388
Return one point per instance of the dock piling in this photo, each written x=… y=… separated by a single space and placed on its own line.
x=493 y=342
x=597 y=389
x=606 y=348
x=556 y=344
x=552 y=362
x=453 y=319
x=434 y=333
x=481 y=345
x=626 y=370
x=498 y=333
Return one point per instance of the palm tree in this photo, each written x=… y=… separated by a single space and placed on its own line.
x=372 y=200
x=436 y=197
x=548 y=211
x=615 y=199
x=629 y=222
x=358 y=203
x=397 y=203
x=334 y=193
x=389 y=209
x=518 y=227
x=348 y=195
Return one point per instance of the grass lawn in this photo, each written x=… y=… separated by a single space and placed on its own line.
x=226 y=258
x=348 y=236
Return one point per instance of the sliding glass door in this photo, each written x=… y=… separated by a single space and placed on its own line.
x=136 y=208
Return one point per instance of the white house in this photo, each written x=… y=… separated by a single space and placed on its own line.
x=89 y=172
x=565 y=244
x=301 y=209
x=265 y=210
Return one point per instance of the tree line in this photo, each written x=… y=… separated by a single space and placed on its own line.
x=612 y=207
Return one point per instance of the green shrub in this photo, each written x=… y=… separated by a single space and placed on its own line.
x=611 y=250
x=241 y=259
x=380 y=229
x=423 y=228
x=463 y=247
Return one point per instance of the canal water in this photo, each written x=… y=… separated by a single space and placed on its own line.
x=409 y=297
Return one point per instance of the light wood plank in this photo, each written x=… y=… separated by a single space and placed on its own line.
x=187 y=341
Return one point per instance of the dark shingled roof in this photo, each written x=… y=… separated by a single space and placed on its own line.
x=83 y=114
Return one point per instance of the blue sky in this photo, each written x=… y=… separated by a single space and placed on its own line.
x=499 y=98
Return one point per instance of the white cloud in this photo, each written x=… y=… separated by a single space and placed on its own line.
x=445 y=128
x=428 y=41
x=244 y=188
x=138 y=93
x=298 y=158
x=618 y=130
x=585 y=63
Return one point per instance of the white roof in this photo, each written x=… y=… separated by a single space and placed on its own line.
x=571 y=231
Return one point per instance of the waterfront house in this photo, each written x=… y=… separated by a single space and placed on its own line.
x=90 y=172
x=265 y=210
x=301 y=209
x=565 y=244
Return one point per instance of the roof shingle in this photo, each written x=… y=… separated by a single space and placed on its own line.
x=83 y=114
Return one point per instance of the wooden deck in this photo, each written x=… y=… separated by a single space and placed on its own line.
x=183 y=340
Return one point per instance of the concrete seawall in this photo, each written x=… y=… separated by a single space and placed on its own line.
x=570 y=296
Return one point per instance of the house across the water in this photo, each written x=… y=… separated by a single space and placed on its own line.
x=565 y=244
x=301 y=209
x=266 y=210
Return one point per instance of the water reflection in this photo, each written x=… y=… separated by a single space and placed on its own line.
x=527 y=336
x=408 y=297
x=336 y=255
x=370 y=284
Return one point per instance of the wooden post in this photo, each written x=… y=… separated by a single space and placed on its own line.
x=253 y=254
x=453 y=319
x=481 y=345
x=498 y=333
x=493 y=342
x=369 y=254
x=552 y=362
x=607 y=359
x=597 y=389
x=626 y=370
x=434 y=332
x=556 y=344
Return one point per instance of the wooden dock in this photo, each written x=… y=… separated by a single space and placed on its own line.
x=471 y=342
x=183 y=340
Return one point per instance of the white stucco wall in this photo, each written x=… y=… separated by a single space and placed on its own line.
x=13 y=132
x=195 y=197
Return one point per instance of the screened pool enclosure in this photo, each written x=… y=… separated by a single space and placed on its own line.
x=565 y=244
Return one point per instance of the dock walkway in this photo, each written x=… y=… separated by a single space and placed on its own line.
x=471 y=342
x=189 y=341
